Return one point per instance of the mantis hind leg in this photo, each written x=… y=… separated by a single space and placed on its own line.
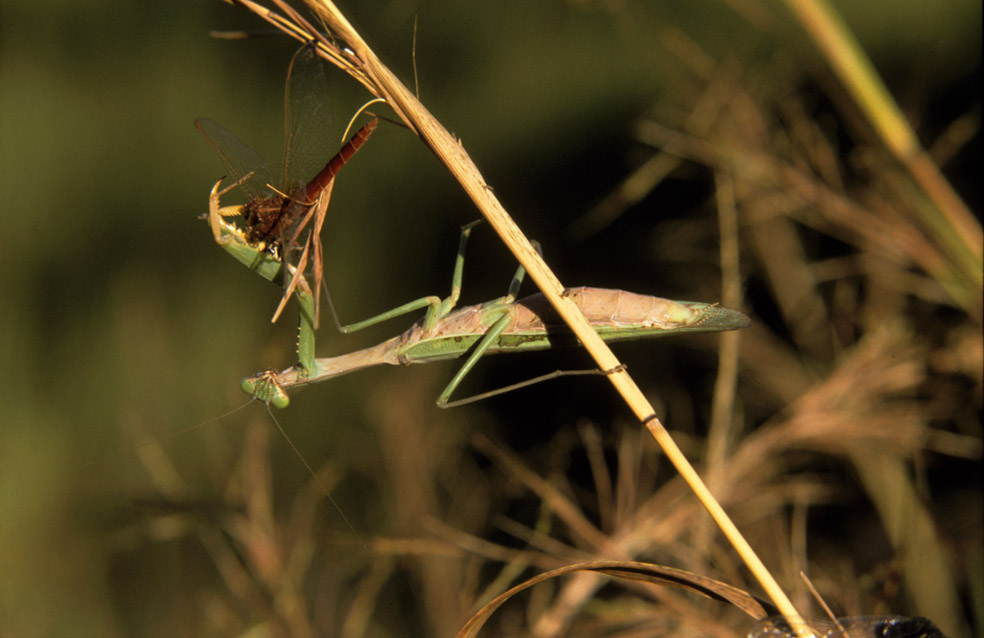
x=487 y=340
x=437 y=308
x=490 y=337
x=556 y=374
x=517 y=279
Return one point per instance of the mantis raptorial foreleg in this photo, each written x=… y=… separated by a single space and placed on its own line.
x=217 y=212
x=233 y=241
x=267 y=265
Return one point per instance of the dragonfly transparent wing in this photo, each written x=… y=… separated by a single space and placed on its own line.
x=307 y=119
x=857 y=627
x=239 y=159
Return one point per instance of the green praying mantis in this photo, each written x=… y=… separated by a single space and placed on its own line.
x=501 y=325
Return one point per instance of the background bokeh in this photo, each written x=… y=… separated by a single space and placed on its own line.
x=122 y=324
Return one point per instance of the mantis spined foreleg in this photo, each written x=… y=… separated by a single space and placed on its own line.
x=267 y=265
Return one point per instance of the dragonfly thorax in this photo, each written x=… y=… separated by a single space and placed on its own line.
x=267 y=218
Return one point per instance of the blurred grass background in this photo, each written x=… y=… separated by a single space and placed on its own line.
x=859 y=391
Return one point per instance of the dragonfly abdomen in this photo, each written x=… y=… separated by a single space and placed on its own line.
x=324 y=178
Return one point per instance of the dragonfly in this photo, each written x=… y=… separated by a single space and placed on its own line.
x=499 y=326
x=855 y=627
x=274 y=220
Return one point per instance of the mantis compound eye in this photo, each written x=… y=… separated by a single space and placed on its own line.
x=264 y=386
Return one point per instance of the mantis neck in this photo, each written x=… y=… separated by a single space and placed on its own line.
x=386 y=352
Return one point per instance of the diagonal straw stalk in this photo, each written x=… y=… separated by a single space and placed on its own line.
x=360 y=61
x=948 y=221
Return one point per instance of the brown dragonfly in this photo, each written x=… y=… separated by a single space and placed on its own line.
x=275 y=218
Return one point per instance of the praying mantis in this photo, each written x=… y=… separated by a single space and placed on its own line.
x=498 y=326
